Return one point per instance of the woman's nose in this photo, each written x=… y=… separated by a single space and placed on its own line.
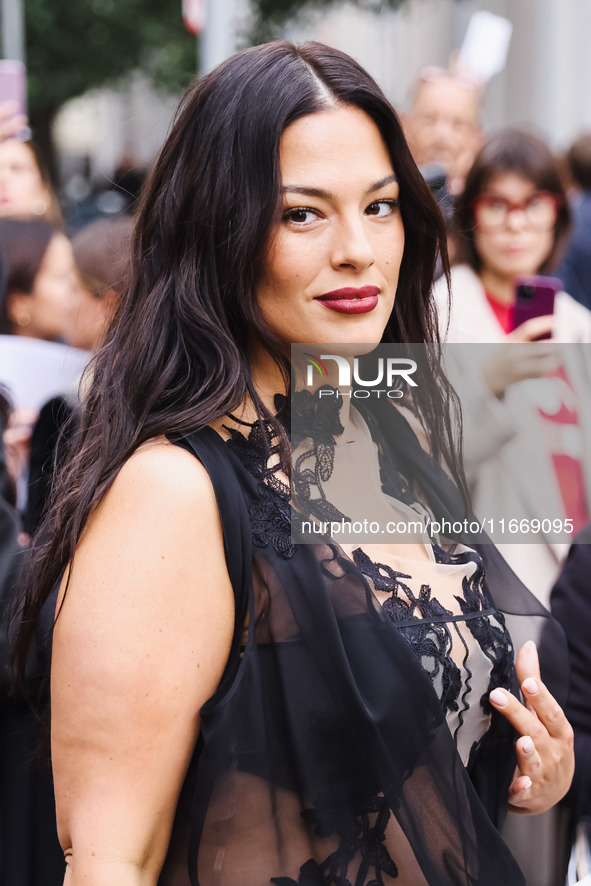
x=352 y=246
x=516 y=219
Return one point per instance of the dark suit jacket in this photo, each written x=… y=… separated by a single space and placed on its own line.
x=575 y=268
x=571 y=606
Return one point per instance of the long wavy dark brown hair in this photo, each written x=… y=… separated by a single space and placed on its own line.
x=177 y=356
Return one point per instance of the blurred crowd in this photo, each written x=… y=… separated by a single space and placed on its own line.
x=515 y=213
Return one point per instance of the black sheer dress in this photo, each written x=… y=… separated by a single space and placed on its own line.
x=351 y=742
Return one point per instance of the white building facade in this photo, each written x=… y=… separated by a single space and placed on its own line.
x=545 y=84
x=547 y=80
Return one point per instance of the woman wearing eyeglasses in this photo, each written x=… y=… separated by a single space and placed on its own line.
x=511 y=221
x=526 y=441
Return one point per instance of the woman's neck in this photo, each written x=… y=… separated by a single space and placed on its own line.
x=499 y=286
x=267 y=376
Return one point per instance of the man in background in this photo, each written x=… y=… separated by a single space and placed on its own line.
x=443 y=124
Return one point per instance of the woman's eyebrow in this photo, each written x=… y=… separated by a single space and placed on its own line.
x=387 y=180
x=307 y=192
x=327 y=195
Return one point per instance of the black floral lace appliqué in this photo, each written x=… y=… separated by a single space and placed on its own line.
x=430 y=640
x=361 y=837
x=275 y=509
x=430 y=637
x=270 y=514
x=392 y=477
x=317 y=423
x=491 y=634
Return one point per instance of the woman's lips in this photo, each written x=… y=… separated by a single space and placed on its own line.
x=351 y=300
x=516 y=248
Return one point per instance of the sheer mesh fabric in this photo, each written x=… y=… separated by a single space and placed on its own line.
x=329 y=779
x=441 y=608
x=325 y=758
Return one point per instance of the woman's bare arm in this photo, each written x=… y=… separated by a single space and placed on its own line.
x=140 y=644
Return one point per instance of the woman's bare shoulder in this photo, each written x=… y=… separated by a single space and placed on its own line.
x=162 y=493
x=157 y=534
x=160 y=461
x=163 y=473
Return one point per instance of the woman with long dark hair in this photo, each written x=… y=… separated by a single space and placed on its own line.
x=220 y=694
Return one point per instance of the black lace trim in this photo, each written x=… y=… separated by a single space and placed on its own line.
x=494 y=639
x=360 y=836
x=429 y=640
x=394 y=483
x=430 y=636
x=491 y=634
x=270 y=514
x=319 y=423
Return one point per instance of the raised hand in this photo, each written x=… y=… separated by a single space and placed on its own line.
x=545 y=756
x=522 y=356
x=11 y=122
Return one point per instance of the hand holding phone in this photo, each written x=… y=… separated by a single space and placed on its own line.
x=514 y=361
x=526 y=352
x=13 y=103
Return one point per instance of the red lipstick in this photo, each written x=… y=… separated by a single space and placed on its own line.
x=351 y=300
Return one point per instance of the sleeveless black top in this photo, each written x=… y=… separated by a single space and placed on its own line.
x=325 y=758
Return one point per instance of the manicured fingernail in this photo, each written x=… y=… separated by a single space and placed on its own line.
x=499 y=697
x=528 y=784
x=530 y=685
x=527 y=746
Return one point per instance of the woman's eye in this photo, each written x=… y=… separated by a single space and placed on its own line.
x=300 y=216
x=382 y=208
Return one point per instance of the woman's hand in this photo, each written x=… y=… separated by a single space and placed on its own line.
x=11 y=122
x=545 y=756
x=522 y=355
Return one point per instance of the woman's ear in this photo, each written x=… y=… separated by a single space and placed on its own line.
x=43 y=203
x=18 y=310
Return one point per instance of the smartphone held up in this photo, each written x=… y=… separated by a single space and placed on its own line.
x=534 y=297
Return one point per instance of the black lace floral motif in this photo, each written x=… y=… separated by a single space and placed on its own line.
x=273 y=512
x=362 y=836
x=491 y=634
x=317 y=421
x=432 y=640
x=270 y=514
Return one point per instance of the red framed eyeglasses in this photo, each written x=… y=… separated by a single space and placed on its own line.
x=540 y=209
